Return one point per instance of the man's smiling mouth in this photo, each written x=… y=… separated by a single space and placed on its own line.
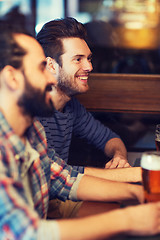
x=83 y=78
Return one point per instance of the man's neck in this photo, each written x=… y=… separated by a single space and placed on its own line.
x=18 y=122
x=60 y=99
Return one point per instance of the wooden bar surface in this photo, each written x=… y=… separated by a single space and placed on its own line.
x=129 y=93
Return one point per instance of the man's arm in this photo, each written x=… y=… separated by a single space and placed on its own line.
x=102 y=137
x=98 y=189
x=132 y=174
x=139 y=220
x=116 y=149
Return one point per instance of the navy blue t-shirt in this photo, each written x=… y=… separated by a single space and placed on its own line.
x=75 y=119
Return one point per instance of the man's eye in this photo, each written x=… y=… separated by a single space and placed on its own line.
x=78 y=59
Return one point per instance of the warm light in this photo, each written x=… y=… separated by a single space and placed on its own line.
x=133 y=25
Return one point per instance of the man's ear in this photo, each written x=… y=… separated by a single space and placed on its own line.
x=51 y=65
x=11 y=77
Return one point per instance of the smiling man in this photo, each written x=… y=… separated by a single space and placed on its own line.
x=69 y=60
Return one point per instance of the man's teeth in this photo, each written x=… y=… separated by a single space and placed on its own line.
x=83 y=78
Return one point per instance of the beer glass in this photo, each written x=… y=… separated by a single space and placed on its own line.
x=150 y=164
x=157 y=137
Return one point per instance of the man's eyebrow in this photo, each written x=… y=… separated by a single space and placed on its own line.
x=78 y=55
x=82 y=55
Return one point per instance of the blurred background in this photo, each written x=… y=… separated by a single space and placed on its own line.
x=124 y=36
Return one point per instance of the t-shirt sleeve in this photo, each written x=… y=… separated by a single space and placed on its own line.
x=87 y=127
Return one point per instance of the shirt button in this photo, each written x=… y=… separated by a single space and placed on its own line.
x=17 y=157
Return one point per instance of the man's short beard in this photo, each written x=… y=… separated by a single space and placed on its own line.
x=66 y=89
x=65 y=84
x=32 y=101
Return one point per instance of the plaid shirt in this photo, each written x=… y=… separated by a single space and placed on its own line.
x=49 y=177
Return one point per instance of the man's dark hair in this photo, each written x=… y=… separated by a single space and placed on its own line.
x=51 y=35
x=10 y=51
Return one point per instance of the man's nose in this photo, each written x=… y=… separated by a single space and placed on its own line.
x=88 y=66
x=51 y=78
